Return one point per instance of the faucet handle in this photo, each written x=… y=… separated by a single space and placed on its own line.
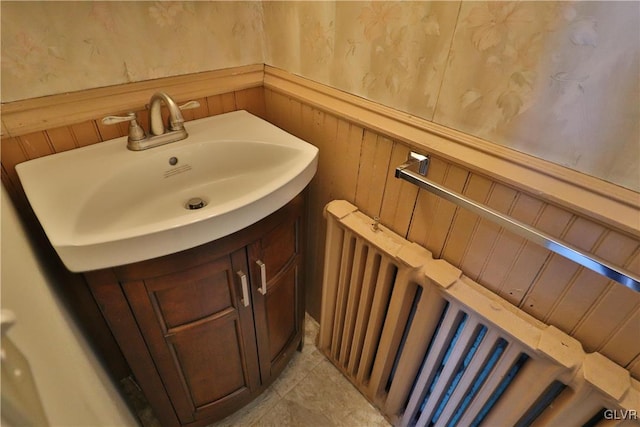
x=112 y=120
x=186 y=106
x=136 y=133
x=189 y=105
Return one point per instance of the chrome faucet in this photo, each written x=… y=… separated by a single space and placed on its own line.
x=159 y=134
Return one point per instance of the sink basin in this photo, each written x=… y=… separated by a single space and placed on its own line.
x=103 y=205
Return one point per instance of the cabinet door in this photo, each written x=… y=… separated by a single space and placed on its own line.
x=276 y=273
x=199 y=330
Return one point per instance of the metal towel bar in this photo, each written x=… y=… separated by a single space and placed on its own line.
x=589 y=261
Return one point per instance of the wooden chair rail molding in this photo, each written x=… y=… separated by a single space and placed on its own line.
x=604 y=202
x=32 y=115
x=592 y=197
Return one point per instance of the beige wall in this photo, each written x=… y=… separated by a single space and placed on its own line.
x=555 y=80
x=601 y=314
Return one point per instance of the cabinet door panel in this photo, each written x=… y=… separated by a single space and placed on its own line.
x=279 y=247
x=194 y=294
x=279 y=311
x=200 y=336
x=280 y=303
x=209 y=356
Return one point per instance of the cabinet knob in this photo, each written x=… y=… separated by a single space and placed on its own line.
x=245 y=288
x=263 y=277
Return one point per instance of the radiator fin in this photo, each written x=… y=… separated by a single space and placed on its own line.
x=544 y=400
x=492 y=359
x=502 y=385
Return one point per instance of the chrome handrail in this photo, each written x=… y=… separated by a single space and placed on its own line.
x=590 y=261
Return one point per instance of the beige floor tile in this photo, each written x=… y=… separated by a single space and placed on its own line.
x=326 y=394
x=253 y=412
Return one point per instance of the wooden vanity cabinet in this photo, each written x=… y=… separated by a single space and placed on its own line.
x=208 y=329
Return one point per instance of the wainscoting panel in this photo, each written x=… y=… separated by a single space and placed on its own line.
x=357 y=164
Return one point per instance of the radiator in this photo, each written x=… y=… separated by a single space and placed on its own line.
x=428 y=346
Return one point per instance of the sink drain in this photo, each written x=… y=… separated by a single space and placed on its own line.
x=195 y=203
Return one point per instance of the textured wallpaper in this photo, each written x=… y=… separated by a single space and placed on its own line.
x=51 y=47
x=557 y=80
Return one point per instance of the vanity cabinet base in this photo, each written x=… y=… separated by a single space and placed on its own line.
x=206 y=330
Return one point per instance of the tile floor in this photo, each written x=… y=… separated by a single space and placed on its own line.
x=310 y=392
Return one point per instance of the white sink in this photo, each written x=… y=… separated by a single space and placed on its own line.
x=104 y=205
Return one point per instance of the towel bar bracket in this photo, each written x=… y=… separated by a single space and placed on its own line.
x=414 y=158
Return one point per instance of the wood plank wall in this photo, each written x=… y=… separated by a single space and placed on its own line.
x=357 y=164
x=31 y=145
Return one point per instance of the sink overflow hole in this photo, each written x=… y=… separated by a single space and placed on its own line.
x=173 y=161
x=195 y=203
